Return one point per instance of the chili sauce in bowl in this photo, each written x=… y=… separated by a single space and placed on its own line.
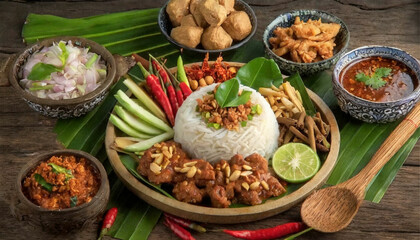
x=62 y=181
x=61 y=191
x=379 y=79
x=377 y=84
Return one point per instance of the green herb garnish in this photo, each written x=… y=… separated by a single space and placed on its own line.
x=64 y=53
x=91 y=61
x=213 y=125
x=73 y=201
x=227 y=94
x=375 y=81
x=58 y=169
x=258 y=109
x=48 y=186
x=42 y=71
x=243 y=123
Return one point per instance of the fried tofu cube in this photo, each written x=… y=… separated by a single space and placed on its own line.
x=214 y=13
x=215 y=37
x=189 y=36
x=238 y=25
x=176 y=10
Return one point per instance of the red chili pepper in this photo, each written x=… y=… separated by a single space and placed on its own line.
x=167 y=83
x=179 y=96
x=109 y=220
x=154 y=85
x=178 y=230
x=186 y=223
x=268 y=233
x=186 y=91
x=175 y=82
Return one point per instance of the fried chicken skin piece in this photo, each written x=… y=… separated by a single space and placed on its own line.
x=328 y=32
x=305 y=42
x=305 y=30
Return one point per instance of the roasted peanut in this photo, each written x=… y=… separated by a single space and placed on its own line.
x=194 y=84
x=202 y=82
x=209 y=80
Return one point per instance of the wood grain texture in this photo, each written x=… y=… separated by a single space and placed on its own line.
x=24 y=133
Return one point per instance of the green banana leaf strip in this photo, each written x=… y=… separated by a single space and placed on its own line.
x=137 y=31
x=131 y=220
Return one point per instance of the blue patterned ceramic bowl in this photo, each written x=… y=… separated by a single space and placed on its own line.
x=379 y=112
x=165 y=26
x=286 y=20
x=66 y=108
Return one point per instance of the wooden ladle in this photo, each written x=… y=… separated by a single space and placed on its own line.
x=332 y=209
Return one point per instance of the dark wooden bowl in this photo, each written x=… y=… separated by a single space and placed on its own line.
x=64 y=220
x=229 y=215
x=66 y=108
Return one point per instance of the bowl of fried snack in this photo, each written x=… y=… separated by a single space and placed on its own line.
x=213 y=26
x=306 y=41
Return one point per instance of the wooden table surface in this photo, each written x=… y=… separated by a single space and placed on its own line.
x=24 y=133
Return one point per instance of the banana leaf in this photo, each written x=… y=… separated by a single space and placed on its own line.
x=137 y=31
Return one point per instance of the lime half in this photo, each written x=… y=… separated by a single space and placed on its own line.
x=296 y=162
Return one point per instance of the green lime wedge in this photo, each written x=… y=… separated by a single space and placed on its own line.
x=296 y=162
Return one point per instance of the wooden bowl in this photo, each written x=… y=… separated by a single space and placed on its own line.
x=62 y=220
x=229 y=215
x=66 y=108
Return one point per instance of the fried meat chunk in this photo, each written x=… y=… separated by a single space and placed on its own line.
x=187 y=191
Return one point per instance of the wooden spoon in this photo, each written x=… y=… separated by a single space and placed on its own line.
x=332 y=209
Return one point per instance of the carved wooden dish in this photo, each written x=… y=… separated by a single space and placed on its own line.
x=230 y=215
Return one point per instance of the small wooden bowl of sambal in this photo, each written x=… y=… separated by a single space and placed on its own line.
x=377 y=83
x=62 y=191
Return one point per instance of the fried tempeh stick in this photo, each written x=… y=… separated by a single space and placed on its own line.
x=309 y=122
x=288 y=137
x=300 y=123
x=298 y=134
x=287 y=121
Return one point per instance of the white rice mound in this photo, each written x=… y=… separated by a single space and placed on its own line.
x=199 y=141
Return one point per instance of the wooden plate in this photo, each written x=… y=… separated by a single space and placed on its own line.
x=230 y=215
